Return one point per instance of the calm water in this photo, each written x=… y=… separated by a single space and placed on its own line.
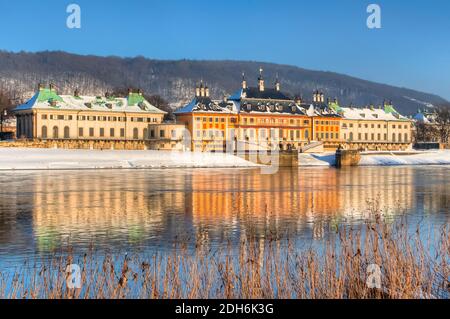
x=148 y=210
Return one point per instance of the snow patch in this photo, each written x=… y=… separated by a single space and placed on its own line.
x=28 y=159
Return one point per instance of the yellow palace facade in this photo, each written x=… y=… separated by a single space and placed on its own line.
x=257 y=118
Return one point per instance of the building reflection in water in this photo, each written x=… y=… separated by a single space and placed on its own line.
x=146 y=208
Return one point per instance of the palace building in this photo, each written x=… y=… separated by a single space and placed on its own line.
x=92 y=121
x=370 y=128
x=254 y=118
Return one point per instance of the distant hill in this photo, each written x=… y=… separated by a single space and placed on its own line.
x=21 y=72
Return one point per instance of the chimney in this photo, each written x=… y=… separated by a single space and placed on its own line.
x=197 y=91
x=76 y=93
x=202 y=89
x=260 y=80
x=277 y=84
x=244 y=82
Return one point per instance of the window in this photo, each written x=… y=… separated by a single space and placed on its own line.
x=173 y=133
x=122 y=132
x=91 y=132
x=135 y=133
x=55 y=132
x=66 y=132
x=306 y=134
x=399 y=137
x=152 y=133
x=145 y=133
x=102 y=132
x=44 y=132
x=393 y=137
x=44 y=116
x=351 y=136
x=161 y=133
x=80 y=132
x=406 y=137
x=111 y=132
x=60 y=117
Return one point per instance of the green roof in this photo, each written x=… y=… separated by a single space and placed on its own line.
x=135 y=98
x=335 y=107
x=388 y=108
x=47 y=95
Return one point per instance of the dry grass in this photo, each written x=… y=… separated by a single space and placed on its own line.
x=413 y=266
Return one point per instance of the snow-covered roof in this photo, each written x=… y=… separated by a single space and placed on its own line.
x=49 y=99
x=353 y=113
x=206 y=105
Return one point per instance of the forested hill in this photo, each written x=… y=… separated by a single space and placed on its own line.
x=20 y=74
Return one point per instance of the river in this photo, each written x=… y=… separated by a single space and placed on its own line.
x=117 y=211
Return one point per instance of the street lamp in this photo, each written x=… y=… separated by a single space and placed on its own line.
x=3 y=114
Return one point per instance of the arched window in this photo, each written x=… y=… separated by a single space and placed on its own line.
x=399 y=137
x=44 y=132
x=135 y=133
x=55 y=132
x=66 y=132
x=145 y=134
x=306 y=134
x=406 y=137
x=351 y=136
x=393 y=137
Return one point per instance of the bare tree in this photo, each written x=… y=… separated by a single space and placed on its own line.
x=426 y=132
x=443 y=123
x=5 y=100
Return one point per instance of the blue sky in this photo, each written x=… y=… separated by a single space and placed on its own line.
x=411 y=50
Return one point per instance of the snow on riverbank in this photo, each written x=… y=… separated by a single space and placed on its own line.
x=383 y=159
x=35 y=158
x=421 y=158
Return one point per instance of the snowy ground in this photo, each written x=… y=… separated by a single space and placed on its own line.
x=383 y=159
x=421 y=158
x=28 y=158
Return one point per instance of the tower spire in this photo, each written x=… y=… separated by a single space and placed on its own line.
x=261 y=80
x=244 y=81
x=277 y=83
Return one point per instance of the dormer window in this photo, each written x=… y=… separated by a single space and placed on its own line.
x=362 y=115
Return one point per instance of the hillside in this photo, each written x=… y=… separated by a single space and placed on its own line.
x=175 y=80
